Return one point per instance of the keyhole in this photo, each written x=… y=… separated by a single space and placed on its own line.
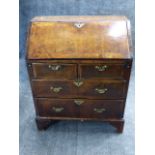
x=79 y=25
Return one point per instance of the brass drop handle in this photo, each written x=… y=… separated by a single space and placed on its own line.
x=57 y=109
x=78 y=83
x=101 y=68
x=101 y=91
x=99 y=110
x=56 y=89
x=78 y=102
x=54 y=67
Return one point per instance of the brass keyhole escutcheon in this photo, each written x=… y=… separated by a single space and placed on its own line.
x=78 y=83
x=78 y=102
x=79 y=25
x=54 y=67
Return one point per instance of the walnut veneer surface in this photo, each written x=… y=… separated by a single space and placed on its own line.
x=61 y=37
x=79 y=68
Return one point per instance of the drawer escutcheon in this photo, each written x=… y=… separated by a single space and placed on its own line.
x=54 y=67
x=78 y=102
x=78 y=83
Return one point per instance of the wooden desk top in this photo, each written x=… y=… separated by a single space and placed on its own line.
x=74 y=37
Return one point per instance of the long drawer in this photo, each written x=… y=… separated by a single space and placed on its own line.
x=93 y=89
x=82 y=108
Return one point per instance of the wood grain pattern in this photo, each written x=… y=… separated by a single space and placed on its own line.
x=101 y=71
x=54 y=71
x=59 y=37
x=42 y=88
x=113 y=109
x=115 y=89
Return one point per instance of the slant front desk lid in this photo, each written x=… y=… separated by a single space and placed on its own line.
x=66 y=37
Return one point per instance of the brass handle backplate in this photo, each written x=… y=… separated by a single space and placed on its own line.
x=56 y=89
x=78 y=83
x=99 y=110
x=78 y=102
x=101 y=91
x=101 y=68
x=54 y=67
x=58 y=109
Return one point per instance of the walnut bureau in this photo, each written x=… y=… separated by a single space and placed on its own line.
x=79 y=68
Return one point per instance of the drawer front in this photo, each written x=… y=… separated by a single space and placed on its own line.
x=79 y=108
x=102 y=109
x=102 y=89
x=93 y=89
x=54 y=71
x=56 y=89
x=56 y=108
x=97 y=71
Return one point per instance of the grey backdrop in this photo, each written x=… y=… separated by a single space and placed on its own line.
x=31 y=8
x=72 y=137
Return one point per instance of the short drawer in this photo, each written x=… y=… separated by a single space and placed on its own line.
x=54 y=71
x=56 y=108
x=102 y=89
x=98 y=71
x=52 y=88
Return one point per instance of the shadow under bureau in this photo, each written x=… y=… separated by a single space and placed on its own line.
x=79 y=68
